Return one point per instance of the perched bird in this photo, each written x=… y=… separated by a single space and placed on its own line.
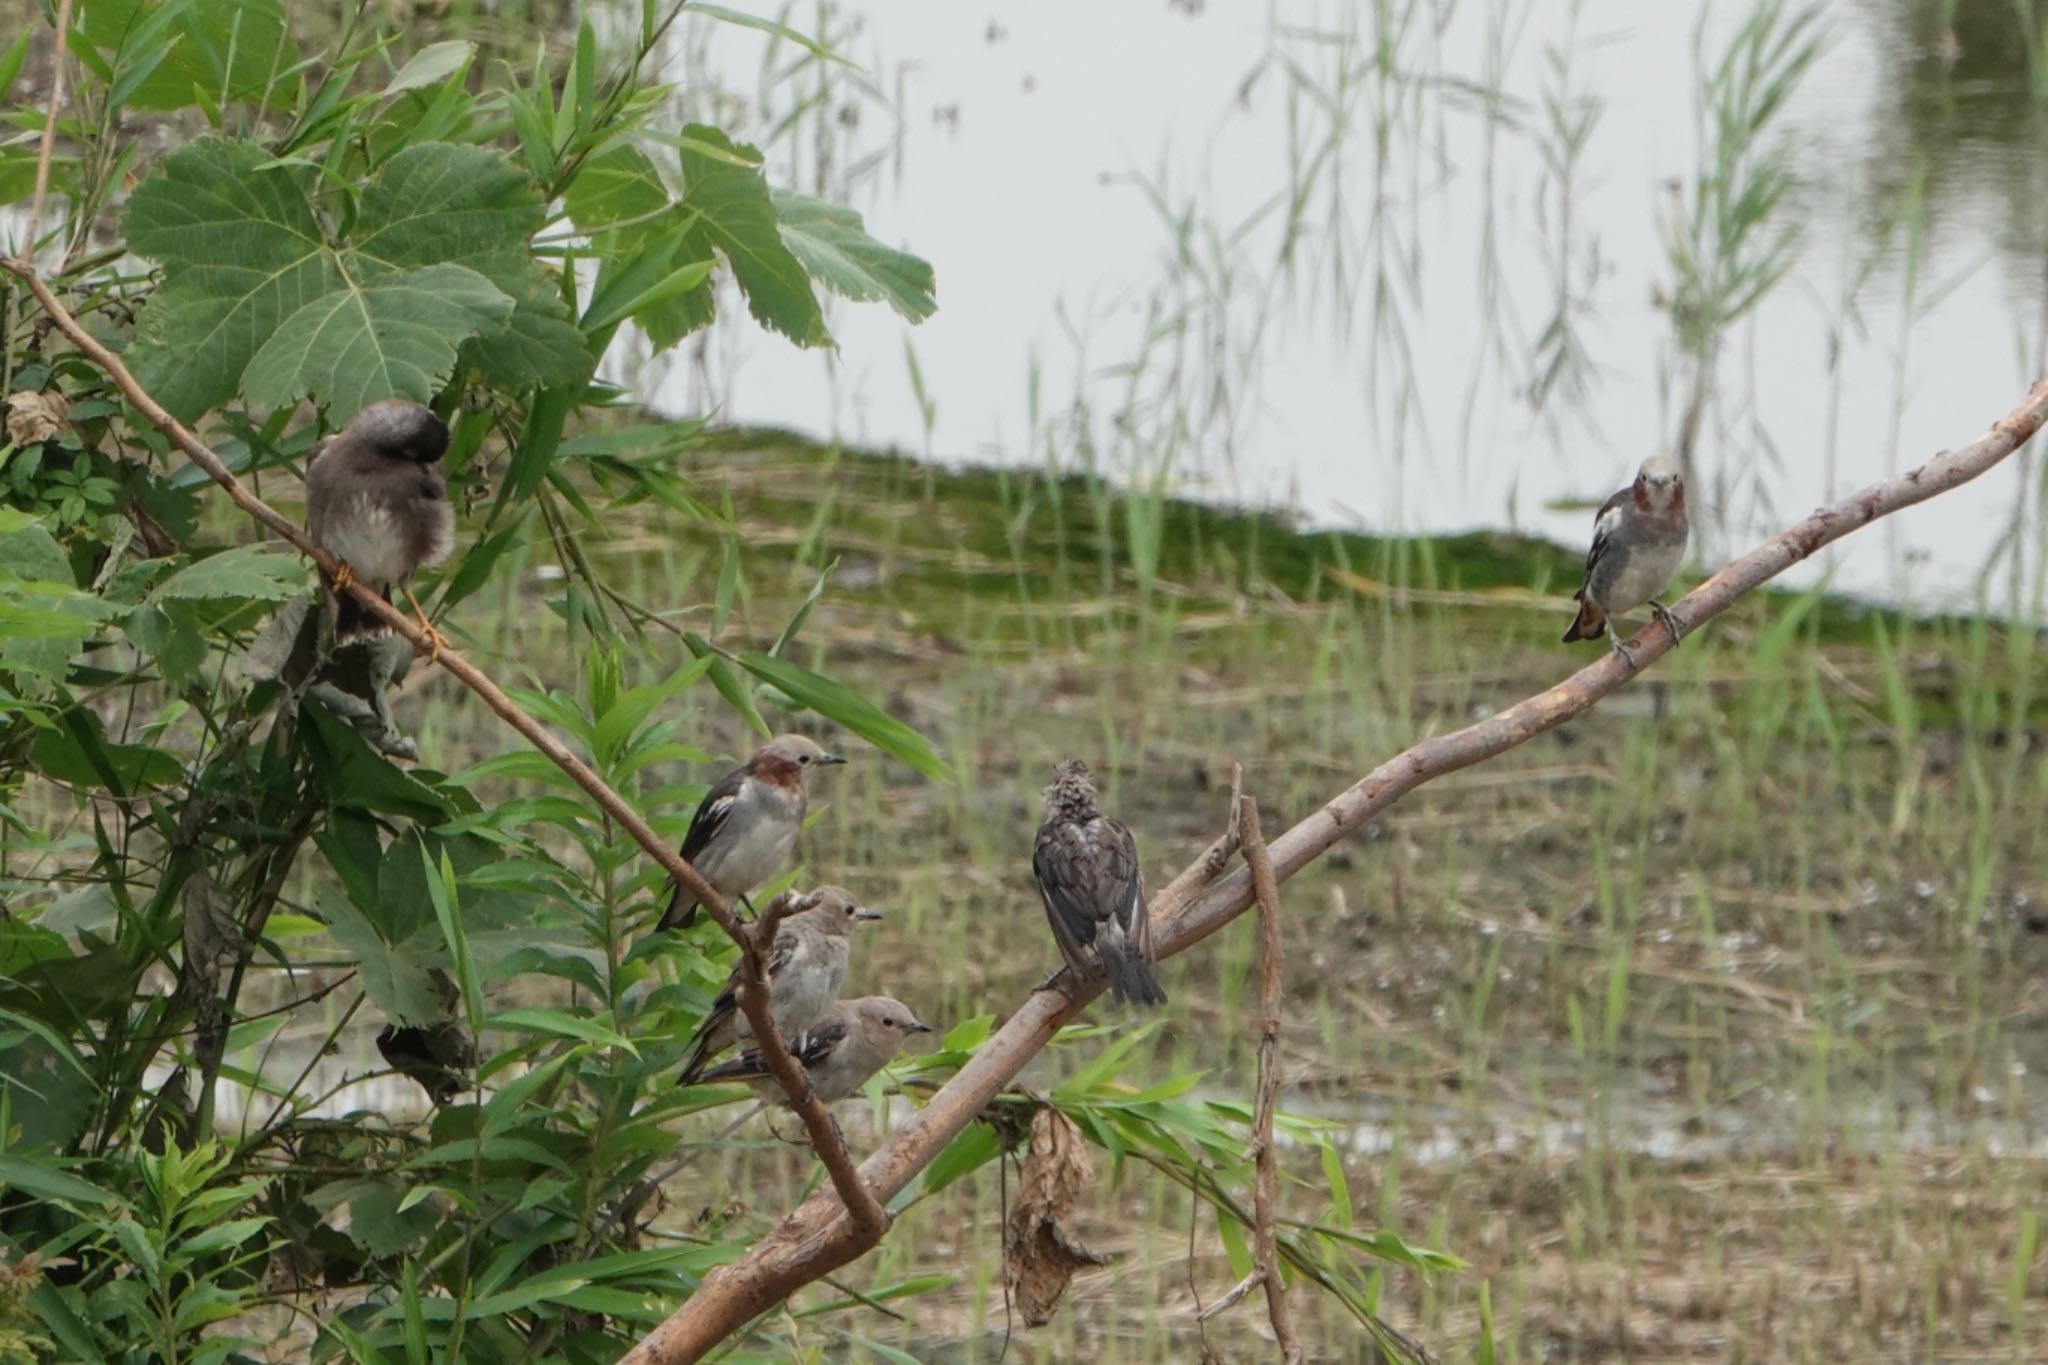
x=851 y=1041
x=745 y=829
x=376 y=500
x=806 y=967
x=1638 y=543
x=1094 y=892
x=441 y=1054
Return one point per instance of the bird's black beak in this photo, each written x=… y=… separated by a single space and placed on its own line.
x=920 y=1026
x=862 y=912
x=830 y=758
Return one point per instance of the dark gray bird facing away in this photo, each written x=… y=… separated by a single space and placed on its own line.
x=851 y=1041
x=745 y=828
x=1638 y=543
x=806 y=967
x=377 y=500
x=440 y=1055
x=1094 y=893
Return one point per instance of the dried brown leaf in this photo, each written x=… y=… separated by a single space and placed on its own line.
x=34 y=417
x=1039 y=1255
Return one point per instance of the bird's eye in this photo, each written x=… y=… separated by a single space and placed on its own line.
x=803 y=758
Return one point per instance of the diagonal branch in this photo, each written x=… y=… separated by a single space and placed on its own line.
x=824 y=1134
x=815 y=1238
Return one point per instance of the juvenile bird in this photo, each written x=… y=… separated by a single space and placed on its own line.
x=1094 y=892
x=745 y=828
x=851 y=1041
x=806 y=966
x=1638 y=543
x=377 y=500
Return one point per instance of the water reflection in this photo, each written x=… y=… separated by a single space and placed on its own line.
x=1962 y=126
x=1415 y=266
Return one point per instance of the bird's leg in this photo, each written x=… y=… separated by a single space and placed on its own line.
x=1619 y=647
x=748 y=901
x=435 y=639
x=1663 y=613
x=343 y=576
x=1050 y=981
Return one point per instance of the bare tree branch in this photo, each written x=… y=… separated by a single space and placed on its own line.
x=1266 y=1186
x=42 y=190
x=816 y=1238
x=868 y=1213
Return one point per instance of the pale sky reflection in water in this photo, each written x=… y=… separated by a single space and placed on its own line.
x=1024 y=124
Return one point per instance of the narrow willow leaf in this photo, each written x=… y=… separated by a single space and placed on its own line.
x=841 y=704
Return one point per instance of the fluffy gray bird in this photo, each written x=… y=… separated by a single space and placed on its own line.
x=1638 y=543
x=1094 y=893
x=745 y=828
x=806 y=967
x=376 y=499
x=851 y=1041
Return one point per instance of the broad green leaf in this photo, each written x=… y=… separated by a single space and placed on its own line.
x=265 y=570
x=537 y=346
x=376 y=1223
x=614 y=187
x=241 y=251
x=835 y=248
x=377 y=336
x=238 y=50
x=441 y=204
x=258 y=298
x=395 y=974
x=728 y=206
x=354 y=776
x=848 y=708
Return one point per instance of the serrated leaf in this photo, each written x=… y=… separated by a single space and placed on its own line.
x=727 y=205
x=442 y=204
x=834 y=246
x=265 y=571
x=378 y=336
x=537 y=347
x=257 y=298
x=613 y=187
x=848 y=708
x=397 y=975
x=241 y=251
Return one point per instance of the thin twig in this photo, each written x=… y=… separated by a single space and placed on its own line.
x=1266 y=1190
x=867 y=1217
x=35 y=205
x=810 y=1241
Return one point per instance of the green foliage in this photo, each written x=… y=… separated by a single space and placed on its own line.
x=207 y=850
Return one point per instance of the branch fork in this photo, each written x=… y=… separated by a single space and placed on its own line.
x=867 y=1212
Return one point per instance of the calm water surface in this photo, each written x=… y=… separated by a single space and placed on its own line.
x=1372 y=350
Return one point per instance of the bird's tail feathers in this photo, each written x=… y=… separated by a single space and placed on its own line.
x=681 y=912
x=699 y=1062
x=1587 y=625
x=352 y=621
x=1131 y=978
